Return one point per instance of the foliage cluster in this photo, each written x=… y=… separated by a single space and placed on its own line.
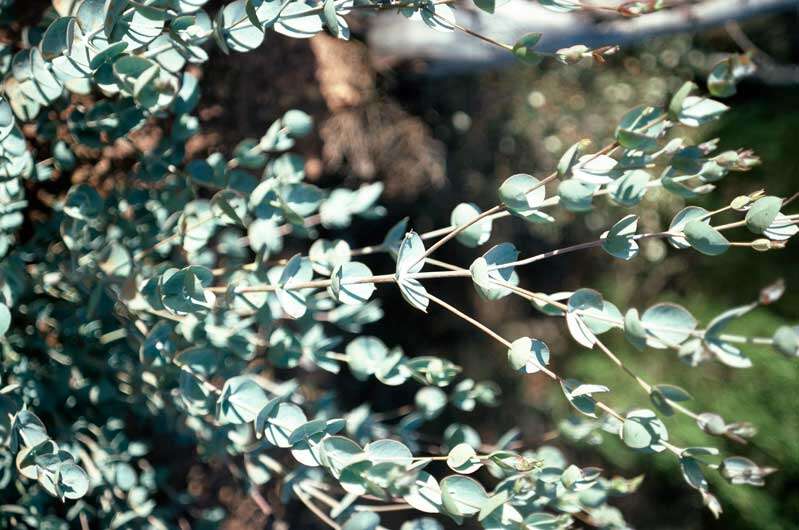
x=173 y=298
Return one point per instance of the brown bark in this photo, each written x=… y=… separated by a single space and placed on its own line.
x=371 y=136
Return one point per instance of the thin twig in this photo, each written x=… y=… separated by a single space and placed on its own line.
x=315 y=509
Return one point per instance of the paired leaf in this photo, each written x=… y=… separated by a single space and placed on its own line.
x=619 y=241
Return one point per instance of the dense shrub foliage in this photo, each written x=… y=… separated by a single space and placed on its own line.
x=166 y=300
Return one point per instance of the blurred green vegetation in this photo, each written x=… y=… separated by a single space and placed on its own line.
x=521 y=120
x=766 y=395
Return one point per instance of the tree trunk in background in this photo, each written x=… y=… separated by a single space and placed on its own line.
x=394 y=38
x=371 y=136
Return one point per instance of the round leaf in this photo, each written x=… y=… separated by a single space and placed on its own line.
x=477 y=233
x=762 y=213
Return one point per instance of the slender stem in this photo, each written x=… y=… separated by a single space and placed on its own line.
x=455 y=271
x=648 y=389
x=315 y=509
x=573 y=248
x=321 y=284
x=482 y=327
x=259 y=501
x=552 y=375
x=727 y=226
x=317 y=493
x=496 y=211
x=468 y=31
x=700 y=333
x=643 y=384
x=364 y=251
x=762 y=341
x=443 y=265
x=790 y=199
x=439 y=232
x=499 y=211
x=742 y=223
x=384 y=508
x=438 y=244
x=708 y=215
x=546 y=255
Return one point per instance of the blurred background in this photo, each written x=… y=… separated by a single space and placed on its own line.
x=437 y=137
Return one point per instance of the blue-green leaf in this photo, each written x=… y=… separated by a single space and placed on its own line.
x=619 y=241
x=581 y=395
x=298 y=270
x=490 y=268
x=241 y=400
x=477 y=233
x=524 y=48
x=642 y=430
x=668 y=325
x=528 y=355
x=763 y=213
x=705 y=239
x=696 y=111
x=462 y=496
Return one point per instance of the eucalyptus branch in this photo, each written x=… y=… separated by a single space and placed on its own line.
x=549 y=373
x=449 y=236
x=448 y=233
x=574 y=248
x=467 y=31
x=648 y=388
x=206 y=362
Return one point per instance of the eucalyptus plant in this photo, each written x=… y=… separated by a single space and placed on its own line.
x=167 y=299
